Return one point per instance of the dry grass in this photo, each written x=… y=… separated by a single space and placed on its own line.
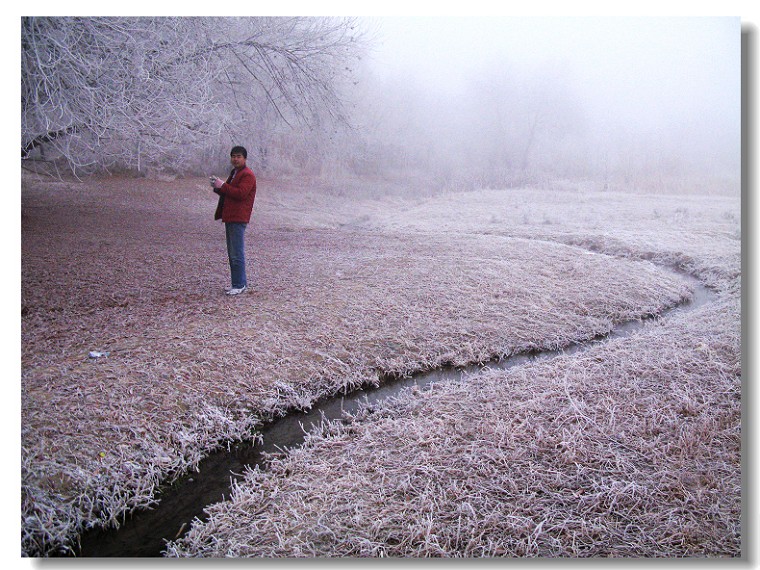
x=137 y=271
x=630 y=449
x=701 y=234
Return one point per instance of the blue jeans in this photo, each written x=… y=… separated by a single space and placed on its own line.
x=236 y=252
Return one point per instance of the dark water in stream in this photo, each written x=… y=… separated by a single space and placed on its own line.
x=144 y=533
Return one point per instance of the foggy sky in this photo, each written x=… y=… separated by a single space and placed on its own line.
x=677 y=75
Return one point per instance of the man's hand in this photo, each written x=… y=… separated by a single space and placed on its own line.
x=217 y=183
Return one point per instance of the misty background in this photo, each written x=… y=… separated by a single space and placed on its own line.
x=446 y=103
x=612 y=99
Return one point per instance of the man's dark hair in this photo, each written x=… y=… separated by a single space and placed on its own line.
x=239 y=150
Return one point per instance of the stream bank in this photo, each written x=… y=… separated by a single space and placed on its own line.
x=144 y=533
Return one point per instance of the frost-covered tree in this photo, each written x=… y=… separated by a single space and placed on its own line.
x=134 y=92
x=285 y=83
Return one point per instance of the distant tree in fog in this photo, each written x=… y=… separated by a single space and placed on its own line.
x=134 y=92
x=525 y=118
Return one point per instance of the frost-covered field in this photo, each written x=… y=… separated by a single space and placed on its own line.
x=628 y=449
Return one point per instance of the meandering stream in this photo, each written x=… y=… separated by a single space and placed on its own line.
x=144 y=533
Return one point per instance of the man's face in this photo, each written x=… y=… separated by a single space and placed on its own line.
x=237 y=161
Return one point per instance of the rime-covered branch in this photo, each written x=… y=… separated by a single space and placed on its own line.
x=100 y=92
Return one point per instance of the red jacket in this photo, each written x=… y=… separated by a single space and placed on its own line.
x=236 y=197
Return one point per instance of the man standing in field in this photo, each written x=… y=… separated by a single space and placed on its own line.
x=236 y=197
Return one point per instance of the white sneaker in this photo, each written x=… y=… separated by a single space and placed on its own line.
x=236 y=291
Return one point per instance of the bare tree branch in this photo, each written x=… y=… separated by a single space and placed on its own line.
x=102 y=92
